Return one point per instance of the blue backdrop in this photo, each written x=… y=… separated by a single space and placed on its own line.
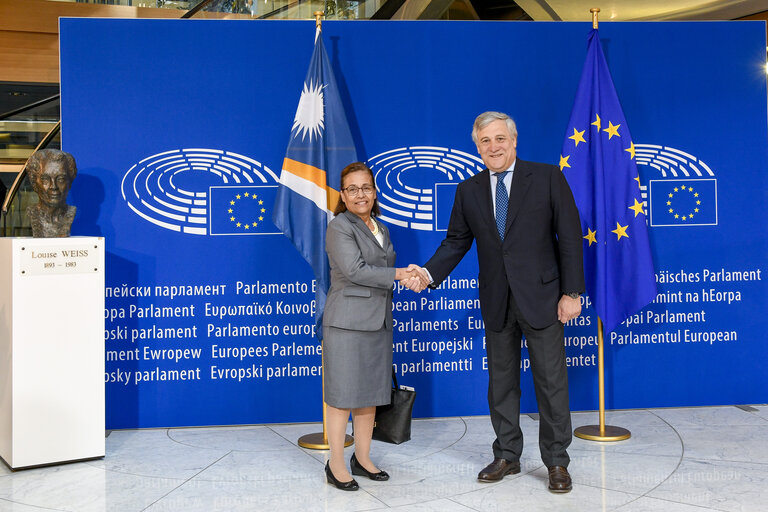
x=175 y=122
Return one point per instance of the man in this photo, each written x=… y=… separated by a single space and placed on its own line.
x=529 y=247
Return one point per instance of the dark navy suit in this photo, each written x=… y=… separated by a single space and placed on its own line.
x=522 y=279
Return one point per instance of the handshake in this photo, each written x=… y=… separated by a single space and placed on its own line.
x=413 y=277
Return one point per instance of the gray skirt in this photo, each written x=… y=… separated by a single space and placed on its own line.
x=357 y=367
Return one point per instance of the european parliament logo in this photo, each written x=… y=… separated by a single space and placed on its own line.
x=201 y=191
x=417 y=184
x=685 y=194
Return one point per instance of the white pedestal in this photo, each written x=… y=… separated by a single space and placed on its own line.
x=51 y=350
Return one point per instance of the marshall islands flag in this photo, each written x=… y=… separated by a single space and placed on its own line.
x=320 y=147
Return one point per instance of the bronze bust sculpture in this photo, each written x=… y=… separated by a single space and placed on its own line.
x=51 y=173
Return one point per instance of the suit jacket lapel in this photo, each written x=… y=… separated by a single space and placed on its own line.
x=388 y=247
x=385 y=232
x=521 y=180
x=485 y=199
x=358 y=223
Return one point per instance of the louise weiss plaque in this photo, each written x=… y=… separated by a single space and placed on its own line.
x=66 y=258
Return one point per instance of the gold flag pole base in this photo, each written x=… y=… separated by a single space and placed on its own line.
x=601 y=432
x=318 y=441
x=608 y=433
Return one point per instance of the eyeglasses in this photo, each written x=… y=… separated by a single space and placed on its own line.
x=353 y=190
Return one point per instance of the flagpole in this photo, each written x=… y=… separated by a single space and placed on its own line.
x=319 y=440
x=601 y=432
x=318 y=22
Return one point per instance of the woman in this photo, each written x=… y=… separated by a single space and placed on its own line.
x=51 y=173
x=357 y=324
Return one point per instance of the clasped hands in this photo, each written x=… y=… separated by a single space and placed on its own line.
x=413 y=277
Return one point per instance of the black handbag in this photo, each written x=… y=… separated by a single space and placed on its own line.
x=393 y=421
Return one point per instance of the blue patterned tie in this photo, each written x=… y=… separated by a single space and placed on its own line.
x=502 y=202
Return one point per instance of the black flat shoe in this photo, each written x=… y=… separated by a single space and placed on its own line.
x=359 y=470
x=344 y=486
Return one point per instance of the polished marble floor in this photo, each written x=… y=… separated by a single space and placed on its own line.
x=677 y=460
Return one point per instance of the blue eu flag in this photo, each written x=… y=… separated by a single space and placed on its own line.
x=320 y=147
x=242 y=210
x=598 y=160
x=683 y=202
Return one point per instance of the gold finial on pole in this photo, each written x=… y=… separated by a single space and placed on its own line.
x=318 y=19
x=594 y=11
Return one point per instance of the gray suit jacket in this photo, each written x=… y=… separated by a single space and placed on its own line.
x=362 y=275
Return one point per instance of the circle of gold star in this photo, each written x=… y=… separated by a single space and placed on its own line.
x=246 y=226
x=686 y=215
